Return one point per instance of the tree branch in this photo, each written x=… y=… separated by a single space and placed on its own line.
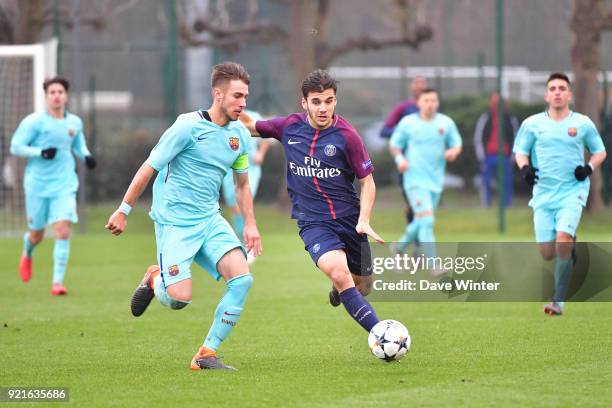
x=231 y=37
x=606 y=22
x=328 y=54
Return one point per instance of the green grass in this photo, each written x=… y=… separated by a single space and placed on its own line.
x=291 y=347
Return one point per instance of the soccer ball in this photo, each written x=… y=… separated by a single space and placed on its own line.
x=389 y=340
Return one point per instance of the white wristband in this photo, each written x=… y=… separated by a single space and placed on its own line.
x=399 y=158
x=591 y=166
x=125 y=208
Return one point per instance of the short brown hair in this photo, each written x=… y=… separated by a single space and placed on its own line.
x=228 y=71
x=318 y=81
x=56 y=80
x=558 y=75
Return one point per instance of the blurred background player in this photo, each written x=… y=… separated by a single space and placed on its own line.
x=421 y=145
x=192 y=158
x=324 y=155
x=400 y=110
x=558 y=137
x=48 y=140
x=257 y=155
x=486 y=142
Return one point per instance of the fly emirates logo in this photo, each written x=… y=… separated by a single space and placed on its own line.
x=312 y=168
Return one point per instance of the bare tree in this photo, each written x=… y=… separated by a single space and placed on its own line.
x=589 y=19
x=21 y=21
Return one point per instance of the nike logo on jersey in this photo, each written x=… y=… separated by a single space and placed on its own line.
x=201 y=137
x=292 y=142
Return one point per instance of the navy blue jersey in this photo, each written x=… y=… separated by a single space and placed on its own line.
x=321 y=165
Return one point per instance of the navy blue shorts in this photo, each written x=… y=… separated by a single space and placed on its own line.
x=323 y=236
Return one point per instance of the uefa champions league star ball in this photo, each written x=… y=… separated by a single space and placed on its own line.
x=389 y=340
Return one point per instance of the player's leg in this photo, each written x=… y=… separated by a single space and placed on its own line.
x=358 y=254
x=566 y=223
x=411 y=233
x=334 y=264
x=37 y=211
x=488 y=173
x=62 y=212
x=545 y=233
x=223 y=256
x=170 y=279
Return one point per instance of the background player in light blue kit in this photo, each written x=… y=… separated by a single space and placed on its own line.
x=558 y=138
x=192 y=157
x=421 y=145
x=48 y=140
x=257 y=154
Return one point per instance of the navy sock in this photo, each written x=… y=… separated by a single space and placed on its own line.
x=359 y=308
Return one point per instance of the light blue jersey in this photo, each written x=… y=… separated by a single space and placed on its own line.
x=39 y=131
x=559 y=147
x=192 y=158
x=423 y=143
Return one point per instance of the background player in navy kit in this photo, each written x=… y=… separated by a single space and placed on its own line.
x=324 y=154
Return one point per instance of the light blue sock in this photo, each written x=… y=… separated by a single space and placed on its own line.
x=164 y=298
x=563 y=276
x=238 y=221
x=61 y=253
x=410 y=234
x=426 y=236
x=228 y=311
x=28 y=246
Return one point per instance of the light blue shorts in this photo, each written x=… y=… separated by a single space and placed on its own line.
x=422 y=199
x=204 y=243
x=229 y=193
x=41 y=211
x=547 y=222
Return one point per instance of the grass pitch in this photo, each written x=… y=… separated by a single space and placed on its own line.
x=291 y=347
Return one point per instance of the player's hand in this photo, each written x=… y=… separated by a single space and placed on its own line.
x=90 y=162
x=252 y=240
x=116 y=223
x=258 y=158
x=365 y=228
x=402 y=166
x=49 y=153
x=582 y=172
x=450 y=155
x=528 y=174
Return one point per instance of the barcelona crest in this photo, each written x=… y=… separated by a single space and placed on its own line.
x=441 y=131
x=572 y=132
x=173 y=270
x=71 y=132
x=234 y=142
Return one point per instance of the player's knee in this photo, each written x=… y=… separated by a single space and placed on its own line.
x=62 y=232
x=548 y=254
x=179 y=294
x=427 y=221
x=340 y=276
x=36 y=237
x=241 y=283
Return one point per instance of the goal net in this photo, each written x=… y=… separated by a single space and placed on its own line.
x=23 y=68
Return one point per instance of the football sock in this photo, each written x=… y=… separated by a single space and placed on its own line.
x=238 y=221
x=563 y=276
x=28 y=246
x=61 y=252
x=426 y=236
x=162 y=295
x=228 y=310
x=359 y=308
x=410 y=234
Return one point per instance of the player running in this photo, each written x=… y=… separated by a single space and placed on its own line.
x=324 y=154
x=558 y=138
x=421 y=145
x=48 y=140
x=257 y=154
x=192 y=158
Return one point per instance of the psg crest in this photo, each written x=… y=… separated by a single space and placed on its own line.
x=572 y=132
x=234 y=142
x=330 y=150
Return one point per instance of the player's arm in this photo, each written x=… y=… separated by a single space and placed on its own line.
x=118 y=220
x=262 y=150
x=455 y=143
x=397 y=144
x=249 y=123
x=24 y=136
x=522 y=146
x=392 y=120
x=244 y=199
x=79 y=147
x=597 y=149
x=367 y=197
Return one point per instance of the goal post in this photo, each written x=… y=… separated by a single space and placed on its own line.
x=23 y=69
